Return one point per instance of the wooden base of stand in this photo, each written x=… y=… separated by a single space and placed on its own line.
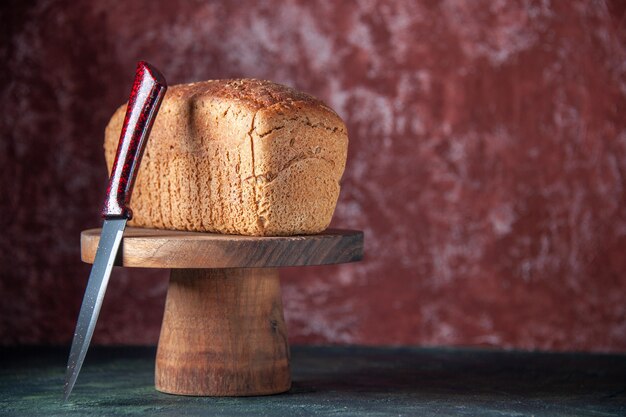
x=223 y=331
x=223 y=334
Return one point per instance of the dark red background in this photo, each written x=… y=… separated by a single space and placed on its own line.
x=487 y=162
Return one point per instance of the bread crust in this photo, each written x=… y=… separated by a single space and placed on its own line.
x=239 y=156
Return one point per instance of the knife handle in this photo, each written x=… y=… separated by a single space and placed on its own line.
x=145 y=99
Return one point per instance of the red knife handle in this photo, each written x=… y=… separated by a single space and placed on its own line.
x=145 y=99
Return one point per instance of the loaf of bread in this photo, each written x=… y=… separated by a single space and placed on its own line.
x=239 y=156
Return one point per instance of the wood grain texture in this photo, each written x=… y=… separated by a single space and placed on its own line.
x=223 y=331
x=154 y=248
x=223 y=334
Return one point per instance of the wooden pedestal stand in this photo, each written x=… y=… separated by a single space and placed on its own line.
x=223 y=331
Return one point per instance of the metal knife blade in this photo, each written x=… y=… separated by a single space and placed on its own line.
x=110 y=239
x=145 y=99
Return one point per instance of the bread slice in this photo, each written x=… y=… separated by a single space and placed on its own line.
x=238 y=156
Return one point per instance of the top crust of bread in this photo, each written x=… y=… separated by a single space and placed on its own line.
x=254 y=93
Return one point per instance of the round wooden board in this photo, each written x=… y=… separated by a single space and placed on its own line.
x=154 y=248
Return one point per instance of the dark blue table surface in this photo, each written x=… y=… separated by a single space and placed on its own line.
x=346 y=381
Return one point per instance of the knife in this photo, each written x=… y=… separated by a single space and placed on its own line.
x=145 y=99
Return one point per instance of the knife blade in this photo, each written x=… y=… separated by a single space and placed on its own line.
x=147 y=93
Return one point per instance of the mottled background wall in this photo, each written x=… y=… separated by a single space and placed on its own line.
x=487 y=161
